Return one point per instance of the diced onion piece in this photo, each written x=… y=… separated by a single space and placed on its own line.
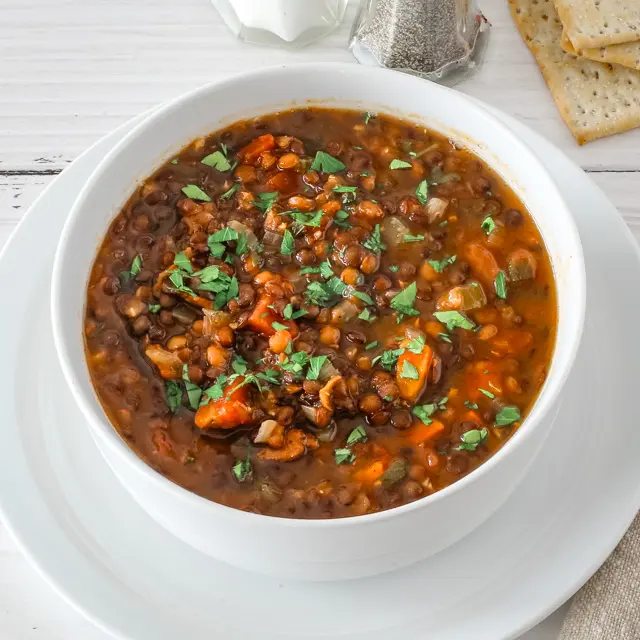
x=213 y=320
x=436 y=208
x=345 y=311
x=328 y=434
x=266 y=430
x=462 y=298
x=394 y=229
x=521 y=265
x=252 y=240
x=328 y=371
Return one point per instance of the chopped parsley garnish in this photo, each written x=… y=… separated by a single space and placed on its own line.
x=416 y=345
x=399 y=164
x=409 y=371
x=174 y=161
x=316 y=293
x=269 y=375
x=424 y=412
x=344 y=456
x=241 y=245
x=224 y=235
x=489 y=395
x=289 y=314
x=507 y=415
x=239 y=365
x=217 y=160
x=265 y=200
x=453 y=319
x=286 y=249
x=362 y=296
x=242 y=469
x=374 y=242
x=227 y=194
x=403 y=301
x=154 y=308
x=215 y=391
x=350 y=192
x=357 y=435
x=213 y=279
x=394 y=268
x=501 y=285
x=470 y=405
x=488 y=225
x=445 y=337
x=136 y=266
x=341 y=219
x=422 y=192
x=410 y=238
x=472 y=439
x=278 y=326
x=182 y=262
x=194 y=392
x=367 y=117
x=372 y=345
x=315 y=364
x=296 y=363
x=195 y=193
x=388 y=358
x=326 y=163
x=440 y=265
x=174 y=395
x=177 y=279
x=312 y=219
x=367 y=316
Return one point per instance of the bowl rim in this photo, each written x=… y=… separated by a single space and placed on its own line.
x=100 y=424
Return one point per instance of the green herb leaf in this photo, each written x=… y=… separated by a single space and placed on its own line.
x=453 y=319
x=194 y=392
x=409 y=238
x=272 y=376
x=174 y=161
x=312 y=219
x=403 y=301
x=242 y=469
x=472 y=439
x=217 y=161
x=316 y=293
x=239 y=365
x=507 y=415
x=351 y=191
x=216 y=249
x=501 y=285
x=195 y=193
x=286 y=249
x=445 y=337
x=422 y=192
x=289 y=314
x=440 y=265
x=241 y=245
x=215 y=391
x=326 y=163
x=227 y=194
x=394 y=268
x=409 y=371
x=374 y=242
x=367 y=117
x=416 y=345
x=177 y=279
x=396 y=472
x=388 y=358
x=424 y=412
x=265 y=200
x=488 y=225
x=136 y=266
x=154 y=308
x=344 y=456
x=366 y=315
x=315 y=364
x=341 y=218
x=371 y=345
x=224 y=235
x=362 y=296
x=174 y=395
x=326 y=271
x=470 y=405
x=359 y=434
x=182 y=262
x=278 y=326
x=487 y=393
x=399 y=164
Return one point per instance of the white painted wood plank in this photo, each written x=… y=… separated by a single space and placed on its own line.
x=71 y=70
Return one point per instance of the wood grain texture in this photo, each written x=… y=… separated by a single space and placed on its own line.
x=72 y=70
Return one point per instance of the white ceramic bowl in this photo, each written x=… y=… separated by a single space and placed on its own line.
x=316 y=549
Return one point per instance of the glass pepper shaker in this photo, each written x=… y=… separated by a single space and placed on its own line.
x=288 y=23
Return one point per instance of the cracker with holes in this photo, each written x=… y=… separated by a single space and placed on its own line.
x=599 y=23
x=594 y=99
x=626 y=54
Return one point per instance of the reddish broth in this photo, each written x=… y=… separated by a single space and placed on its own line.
x=320 y=313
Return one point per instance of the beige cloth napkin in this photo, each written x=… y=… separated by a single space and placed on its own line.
x=608 y=606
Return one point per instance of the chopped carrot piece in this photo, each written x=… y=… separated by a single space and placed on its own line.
x=229 y=411
x=285 y=182
x=482 y=262
x=251 y=153
x=371 y=473
x=410 y=389
x=421 y=432
x=263 y=317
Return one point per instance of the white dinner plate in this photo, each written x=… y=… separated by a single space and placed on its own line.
x=88 y=538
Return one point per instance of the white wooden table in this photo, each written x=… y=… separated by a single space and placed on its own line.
x=71 y=70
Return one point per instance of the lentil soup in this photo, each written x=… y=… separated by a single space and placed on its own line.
x=320 y=313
